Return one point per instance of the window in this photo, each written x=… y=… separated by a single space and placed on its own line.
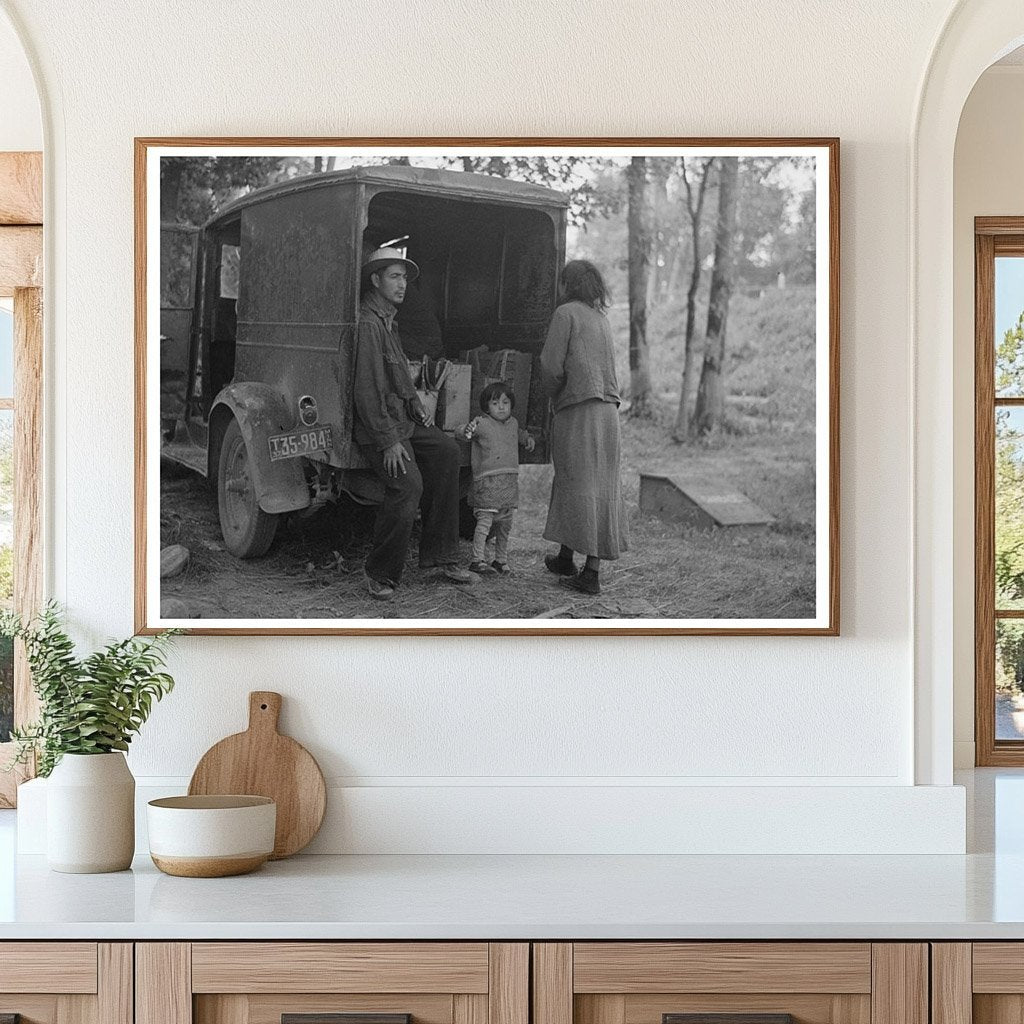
x=999 y=490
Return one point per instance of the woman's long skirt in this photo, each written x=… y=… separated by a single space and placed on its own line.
x=586 y=511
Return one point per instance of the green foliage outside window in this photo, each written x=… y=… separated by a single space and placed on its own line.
x=1009 y=509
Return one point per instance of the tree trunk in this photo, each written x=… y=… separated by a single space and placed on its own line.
x=639 y=268
x=658 y=188
x=681 y=429
x=709 y=413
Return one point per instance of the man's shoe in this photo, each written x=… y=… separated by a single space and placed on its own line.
x=560 y=566
x=456 y=574
x=481 y=568
x=378 y=590
x=501 y=568
x=585 y=581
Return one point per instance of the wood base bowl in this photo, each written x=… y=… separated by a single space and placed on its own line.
x=211 y=836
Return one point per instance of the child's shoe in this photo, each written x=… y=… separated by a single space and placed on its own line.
x=501 y=568
x=481 y=568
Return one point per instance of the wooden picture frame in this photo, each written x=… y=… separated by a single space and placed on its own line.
x=472 y=216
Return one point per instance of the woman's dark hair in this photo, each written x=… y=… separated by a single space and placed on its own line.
x=582 y=282
x=496 y=390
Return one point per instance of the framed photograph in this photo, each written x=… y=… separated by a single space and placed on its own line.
x=487 y=386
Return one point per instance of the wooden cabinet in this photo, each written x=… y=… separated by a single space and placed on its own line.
x=512 y=983
x=261 y=982
x=978 y=983
x=656 y=982
x=66 y=982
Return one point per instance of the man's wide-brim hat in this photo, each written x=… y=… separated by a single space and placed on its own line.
x=381 y=258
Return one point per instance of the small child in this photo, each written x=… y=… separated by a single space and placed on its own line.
x=494 y=495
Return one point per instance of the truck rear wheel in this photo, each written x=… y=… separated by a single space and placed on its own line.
x=248 y=530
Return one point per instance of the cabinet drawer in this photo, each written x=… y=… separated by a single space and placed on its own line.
x=332 y=983
x=730 y=983
x=634 y=967
x=340 y=967
x=64 y=967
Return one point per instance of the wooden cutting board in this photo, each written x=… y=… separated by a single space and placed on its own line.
x=262 y=762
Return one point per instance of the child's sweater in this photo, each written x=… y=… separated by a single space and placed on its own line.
x=495 y=461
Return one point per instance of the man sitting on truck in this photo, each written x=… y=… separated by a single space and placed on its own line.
x=417 y=463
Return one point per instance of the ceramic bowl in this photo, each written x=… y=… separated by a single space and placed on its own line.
x=211 y=836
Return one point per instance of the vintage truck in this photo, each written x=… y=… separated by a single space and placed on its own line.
x=259 y=310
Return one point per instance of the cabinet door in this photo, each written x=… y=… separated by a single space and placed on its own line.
x=730 y=983
x=981 y=982
x=332 y=983
x=66 y=982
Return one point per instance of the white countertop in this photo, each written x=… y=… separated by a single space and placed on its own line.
x=516 y=897
x=976 y=896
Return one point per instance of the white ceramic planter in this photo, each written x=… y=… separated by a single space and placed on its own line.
x=90 y=814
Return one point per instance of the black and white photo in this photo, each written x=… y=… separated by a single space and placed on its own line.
x=451 y=387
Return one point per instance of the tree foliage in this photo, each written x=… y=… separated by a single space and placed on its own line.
x=578 y=176
x=194 y=188
x=90 y=705
x=1010 y=361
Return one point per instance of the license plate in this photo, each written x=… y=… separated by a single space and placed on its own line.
x=300 y=442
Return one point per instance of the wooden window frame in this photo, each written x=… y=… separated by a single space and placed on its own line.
x=21 y=278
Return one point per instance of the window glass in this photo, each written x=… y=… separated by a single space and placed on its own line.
x=6 y=353
x=1009 y=679
x=229 y=264
x=1009 y=327
x=1009 y=512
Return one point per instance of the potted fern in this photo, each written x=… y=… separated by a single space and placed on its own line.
x=89 y=710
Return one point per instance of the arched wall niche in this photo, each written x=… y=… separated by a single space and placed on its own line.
x=976 y=34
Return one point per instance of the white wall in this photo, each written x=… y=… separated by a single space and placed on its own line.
x=21 y=127
x=429 y=717
x=987 y=182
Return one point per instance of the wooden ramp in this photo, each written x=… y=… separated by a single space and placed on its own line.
x=698 y=504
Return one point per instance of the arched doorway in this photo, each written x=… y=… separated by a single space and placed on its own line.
x=976 y=34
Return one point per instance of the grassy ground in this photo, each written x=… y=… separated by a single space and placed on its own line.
x=314 y=569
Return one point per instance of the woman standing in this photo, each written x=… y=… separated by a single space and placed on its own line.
x=578 y=365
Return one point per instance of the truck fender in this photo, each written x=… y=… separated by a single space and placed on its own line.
x=261 y=412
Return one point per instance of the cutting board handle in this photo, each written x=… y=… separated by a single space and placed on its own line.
x=264 y=710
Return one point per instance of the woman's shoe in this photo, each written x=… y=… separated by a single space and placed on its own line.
x=501 y=568
x=481 y=568
x=585 y=581
x=560 y=566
